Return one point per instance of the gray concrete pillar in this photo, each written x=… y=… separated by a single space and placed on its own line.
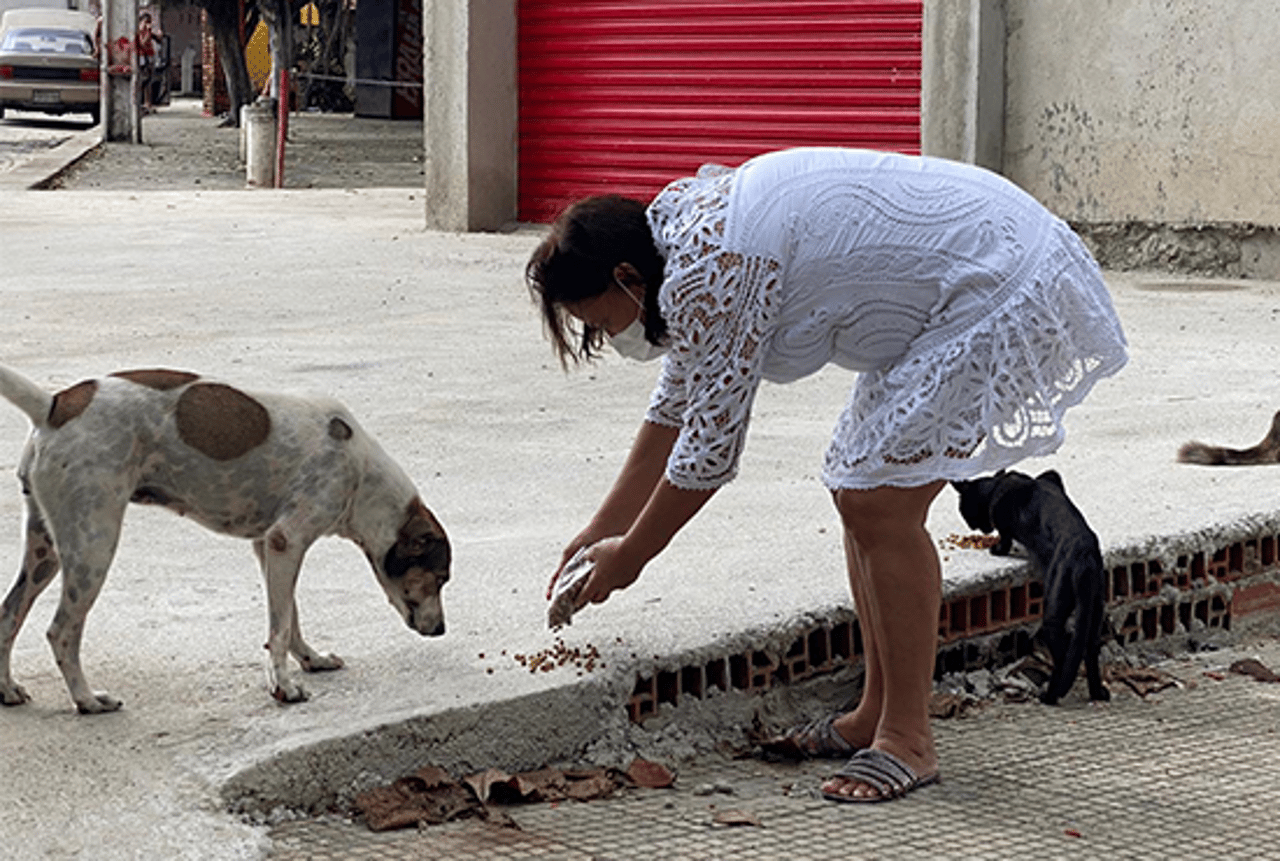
x=260 y=144
x=962 y=81
x=118 y=102
x=469 y=113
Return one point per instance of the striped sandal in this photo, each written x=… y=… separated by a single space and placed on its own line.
x=884 y=772
x=817 y=739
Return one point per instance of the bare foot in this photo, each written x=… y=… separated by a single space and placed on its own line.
x=857 y=730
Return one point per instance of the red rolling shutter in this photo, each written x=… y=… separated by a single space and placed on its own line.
x=623 y=97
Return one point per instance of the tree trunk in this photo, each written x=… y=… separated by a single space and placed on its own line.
x=279 y=17
x=225 y=21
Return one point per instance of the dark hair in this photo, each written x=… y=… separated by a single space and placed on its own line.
x=588 y=240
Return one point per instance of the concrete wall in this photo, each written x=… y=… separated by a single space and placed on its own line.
x=1164 y=111
x=962 y=72
x=1150 y=125
x=469 y=113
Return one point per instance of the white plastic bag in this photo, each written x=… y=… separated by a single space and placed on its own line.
x=564 y=595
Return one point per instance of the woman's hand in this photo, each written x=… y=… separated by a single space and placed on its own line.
x=615 y=569
x=585 y=538
x=620 y=558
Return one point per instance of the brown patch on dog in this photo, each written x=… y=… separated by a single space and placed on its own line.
x=421 y=523
x=44 y=571
x=221 y=422
x=160 y=379
x=421 y=544
x=340 y=430
x=279 y=543
x=70 y=403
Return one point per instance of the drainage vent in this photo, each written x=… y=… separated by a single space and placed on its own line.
x=997 y=626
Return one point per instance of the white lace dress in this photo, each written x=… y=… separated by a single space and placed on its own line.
x=975 y=316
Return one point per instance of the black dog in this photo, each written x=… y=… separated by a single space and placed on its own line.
x=1036 y=513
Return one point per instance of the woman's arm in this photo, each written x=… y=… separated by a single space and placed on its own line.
x=635 y=484
x=618 y=561
x=630 y=493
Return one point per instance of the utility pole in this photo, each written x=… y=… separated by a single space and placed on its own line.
x=121 y=120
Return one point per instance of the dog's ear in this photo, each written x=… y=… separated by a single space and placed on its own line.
x=420 y=529
x=1051 y=476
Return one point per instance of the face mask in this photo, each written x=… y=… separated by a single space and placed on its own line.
x=631 y=342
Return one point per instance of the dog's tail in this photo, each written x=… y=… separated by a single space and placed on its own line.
x=1086 y=638
x=25 y=395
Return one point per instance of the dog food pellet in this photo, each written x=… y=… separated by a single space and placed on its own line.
x=969 y=542
x=560 y=655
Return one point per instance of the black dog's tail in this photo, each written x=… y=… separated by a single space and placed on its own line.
x=1086 y=641
x=1075 y=578
x=1088 y=627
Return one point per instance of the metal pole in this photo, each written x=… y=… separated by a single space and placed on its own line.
x=282 y=124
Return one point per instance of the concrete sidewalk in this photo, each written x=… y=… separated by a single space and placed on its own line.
x=431 y=340
x=1188 y=773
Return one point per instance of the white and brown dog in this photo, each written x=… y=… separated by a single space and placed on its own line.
x=280 y=471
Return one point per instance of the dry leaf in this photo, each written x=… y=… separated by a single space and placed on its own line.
x=1256 y=669
x=431 y=777
x=546 y=784
x=734 y=818
x=951 y=705
x=588 y=785
x=420 y=797
x=482 y=784
x=498 y=818
x=1143 y=680
x=431 y=796
x=650 y=775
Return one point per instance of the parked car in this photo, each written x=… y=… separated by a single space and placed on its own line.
x=49 y=62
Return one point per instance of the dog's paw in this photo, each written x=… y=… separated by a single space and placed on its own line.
x=319 y=663
x=13 y=695
x=288 y=692
x=98 y=704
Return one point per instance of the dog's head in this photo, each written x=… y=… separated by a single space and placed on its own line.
x=978 y=498
x=414 y=568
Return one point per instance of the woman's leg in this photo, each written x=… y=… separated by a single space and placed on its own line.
x=858 y=727
x=897 y=576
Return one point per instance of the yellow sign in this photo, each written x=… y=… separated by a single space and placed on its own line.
x=257 y=56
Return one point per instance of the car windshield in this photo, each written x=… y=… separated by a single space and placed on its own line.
x=47 y=40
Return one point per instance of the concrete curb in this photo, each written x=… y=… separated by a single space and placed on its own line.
x=1178 y=575
x=37 y=171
